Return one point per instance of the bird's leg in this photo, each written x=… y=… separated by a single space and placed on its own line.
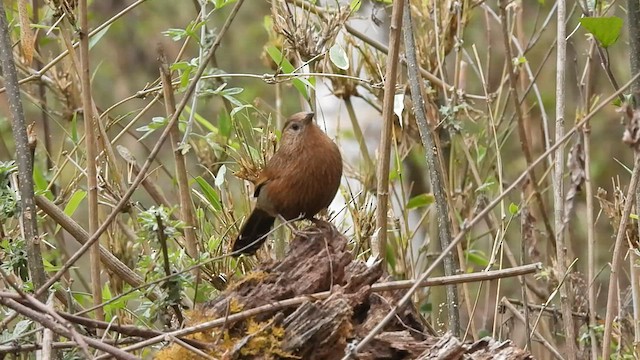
x=294 y=230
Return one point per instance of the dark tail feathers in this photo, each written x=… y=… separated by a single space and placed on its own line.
x=253 y=233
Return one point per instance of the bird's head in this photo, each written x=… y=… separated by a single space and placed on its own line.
x=295 y=129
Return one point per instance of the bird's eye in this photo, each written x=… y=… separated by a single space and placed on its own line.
x=295 y=127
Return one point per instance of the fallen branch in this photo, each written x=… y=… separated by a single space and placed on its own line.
x=43 y=320
x=541 y=338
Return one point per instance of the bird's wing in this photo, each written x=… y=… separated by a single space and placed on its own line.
x=262 y=180
x=269 y=173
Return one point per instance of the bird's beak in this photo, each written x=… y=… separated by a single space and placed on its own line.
x=308 y=117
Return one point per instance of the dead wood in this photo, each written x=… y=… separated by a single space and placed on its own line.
x=323 y=329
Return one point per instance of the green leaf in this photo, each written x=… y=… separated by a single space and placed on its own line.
x=209 y=193
x=106 y=292
x=157 y=122
x=202 y=121
x=119 y=304
x=393 y=175
x=74 y=201
x=267 y=22
x=519 y=60
x=513 y=209
x=338 y=57
x=355 y=5
x=74 y=128
x=426 y=307
x=20 y=328
x=41 y=183
x=605 y=29
x=421 y=200
x=49 y=267
x=288 y=68
x=237 y=109
x=486 y=186
x=96 y=38
x=184 y=77
x=481 y=152
x=477 y=257
x=222 y=3
x=390 y=256
x=175 y=34
x=224 y=124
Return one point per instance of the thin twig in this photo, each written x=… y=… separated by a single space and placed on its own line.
x=6 y=349
x=47 y=335
x=558 y=184
x=191 y=348
x=617 y=258
x=378 y=287
x=42 y=92
x=23 y=155
x=360 y=138
x=186 y=206
x=384 y=153
x=162 y=239
x=540 y=338
x=42 y=319
x=480 y=216
x=524 y=225
x=552 y=297
x=590 y=218
x=39 y=306
x=435 y=175
x=39 y=74
x=151 y=187
x=591 y=244
x=81 y=235
x=522 y=131
x=92 y=152
x=154 y=152
x=166 y=80
x=581 y=316
x=633 y=14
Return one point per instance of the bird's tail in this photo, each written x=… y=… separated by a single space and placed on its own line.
x=253 y=232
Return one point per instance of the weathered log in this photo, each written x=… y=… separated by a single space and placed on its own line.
x=324 y=328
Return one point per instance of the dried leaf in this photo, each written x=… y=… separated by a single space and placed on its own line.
x=631 y=135
x=575 y=163
x=27 y=38
x=32 y=138
x=527 y=228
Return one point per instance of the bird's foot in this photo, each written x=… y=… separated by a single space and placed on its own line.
x=294 y=230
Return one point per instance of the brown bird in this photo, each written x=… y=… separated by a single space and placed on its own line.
x=299 y=181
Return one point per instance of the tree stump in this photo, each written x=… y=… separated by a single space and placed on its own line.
x=323 y=328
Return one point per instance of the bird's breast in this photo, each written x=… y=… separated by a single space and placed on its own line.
x=307 y=182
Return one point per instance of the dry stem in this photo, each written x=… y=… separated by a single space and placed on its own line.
x=23 y=155
x=186 y=206
x=435 y=175
x=384 y=153
x=92 y=152
x=154 y=152
x=617 y=259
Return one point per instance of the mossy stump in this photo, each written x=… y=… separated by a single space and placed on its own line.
x=326 y=326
